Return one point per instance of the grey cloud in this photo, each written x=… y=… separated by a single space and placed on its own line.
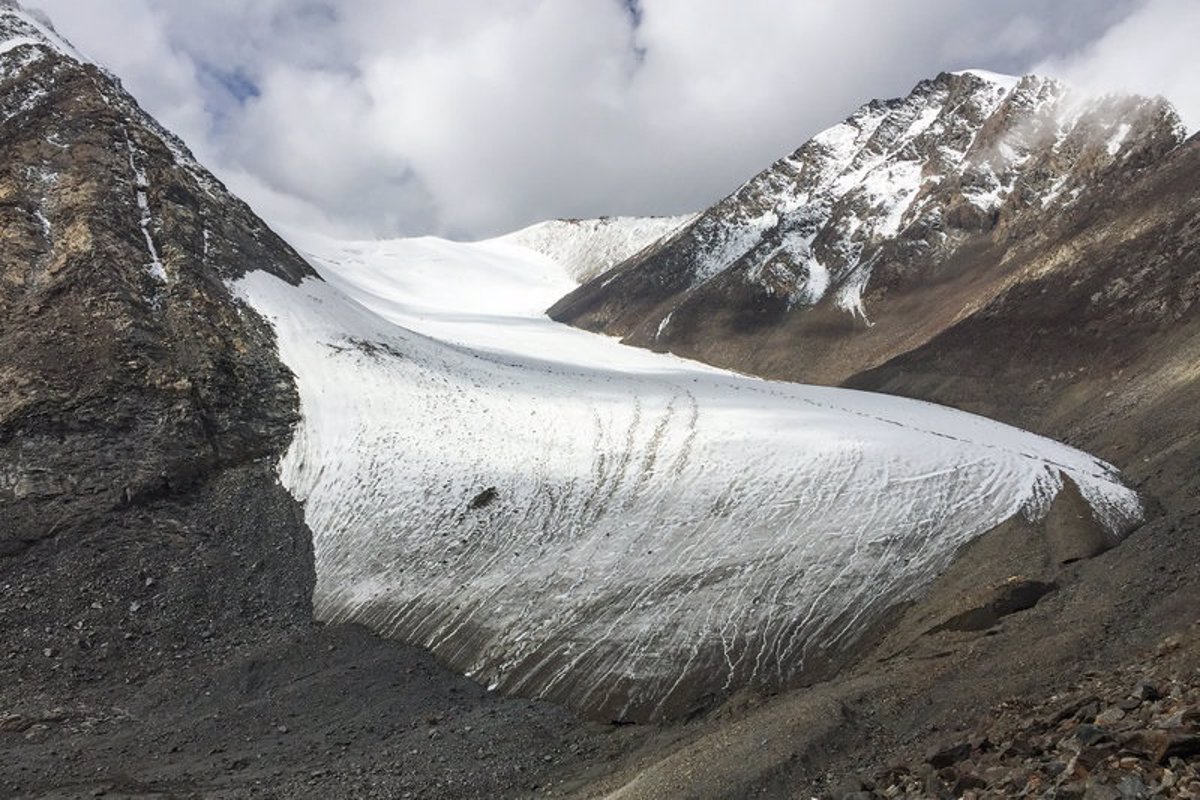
x=470 y=117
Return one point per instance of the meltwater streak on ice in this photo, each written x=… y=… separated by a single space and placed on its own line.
x=660 y=530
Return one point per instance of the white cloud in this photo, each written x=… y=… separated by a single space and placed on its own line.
x=469 y=117
x=1153 y=51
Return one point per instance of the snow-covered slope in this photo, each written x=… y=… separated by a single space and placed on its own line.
x=590 y=247
x=558 y=515
x=879 y=200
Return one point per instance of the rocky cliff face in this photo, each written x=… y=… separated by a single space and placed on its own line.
x=129 y=371
x=141 y=407
x=810 y=269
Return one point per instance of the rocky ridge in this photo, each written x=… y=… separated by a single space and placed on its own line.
x=131 y=381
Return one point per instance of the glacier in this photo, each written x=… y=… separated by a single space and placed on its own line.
x=561 y=516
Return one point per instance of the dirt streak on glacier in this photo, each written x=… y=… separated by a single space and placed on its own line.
x=561 y=516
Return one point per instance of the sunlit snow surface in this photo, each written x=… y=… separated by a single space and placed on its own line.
x=585 y=248
x=660 y=530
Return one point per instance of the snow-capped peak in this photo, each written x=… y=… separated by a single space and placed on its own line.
x=1006 y=82
x=894 y=189
x=21 y=27
x=965 y=140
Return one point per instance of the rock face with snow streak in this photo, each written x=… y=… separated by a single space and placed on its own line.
x=588 y=247
x=129 y=375
x=633 y=535
x=904 y=196
x=115 y=243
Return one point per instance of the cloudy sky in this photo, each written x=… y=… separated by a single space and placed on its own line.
x=471 y=117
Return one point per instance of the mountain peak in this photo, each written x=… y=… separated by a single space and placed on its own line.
x=876 y=204
x=1006 y=82
x=20 y=26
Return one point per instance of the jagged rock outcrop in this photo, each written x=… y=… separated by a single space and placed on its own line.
x=878 y=232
